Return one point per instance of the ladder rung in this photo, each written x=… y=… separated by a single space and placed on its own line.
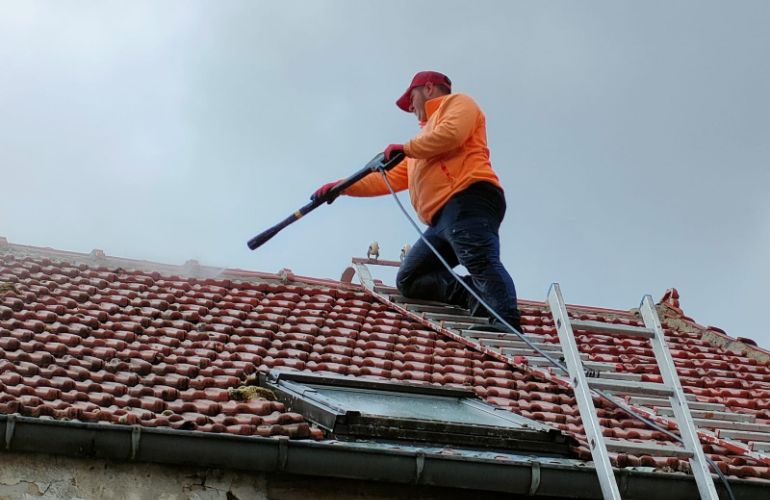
x=478 y=335
x=665 y=403
x=621 y=375
x=707 y=423
x=376 y=262
x=522 y=349
x=482 y=334
x=457 y=326
x=535 y=360
x=698 y=405
x=512 y=338
x=385 y=289
x=445 y=309
x=660 y=401
x=543 y=339
x=400 y=299
x=517 y=344
x=540 y=361
x=657 y=450
x=745 y=435
x=612 y=328
x=630 y=387
x=720 y=415
x=510 y=342
x=454 y=318
x=600 y=366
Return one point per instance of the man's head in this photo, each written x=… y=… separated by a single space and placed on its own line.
x=425 y=85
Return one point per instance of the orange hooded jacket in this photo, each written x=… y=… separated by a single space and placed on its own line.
x=447 y=156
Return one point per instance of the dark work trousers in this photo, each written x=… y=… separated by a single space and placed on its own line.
x=464 y=231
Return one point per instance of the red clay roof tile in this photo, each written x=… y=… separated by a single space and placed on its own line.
x=99 y=343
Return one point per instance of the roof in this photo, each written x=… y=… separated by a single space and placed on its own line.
x=92 y=338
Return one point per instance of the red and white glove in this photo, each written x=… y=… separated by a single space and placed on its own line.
x=393 y=149
x=322 y=193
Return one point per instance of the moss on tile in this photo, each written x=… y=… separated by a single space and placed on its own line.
x=250 y=392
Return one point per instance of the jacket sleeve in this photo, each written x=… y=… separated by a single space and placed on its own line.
x=374 y=185
x=452 y=130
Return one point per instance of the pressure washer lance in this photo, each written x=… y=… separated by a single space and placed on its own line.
x=376 y=164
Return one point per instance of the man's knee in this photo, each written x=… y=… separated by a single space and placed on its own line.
x=403 y=283
x=417 y=286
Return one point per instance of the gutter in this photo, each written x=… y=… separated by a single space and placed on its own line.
x=513 y=474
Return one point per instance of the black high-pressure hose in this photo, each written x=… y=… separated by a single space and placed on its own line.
x=552 y=360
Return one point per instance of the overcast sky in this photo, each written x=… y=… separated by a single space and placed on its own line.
x=632 y=138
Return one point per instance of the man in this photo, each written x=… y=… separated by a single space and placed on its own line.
x=456 y=193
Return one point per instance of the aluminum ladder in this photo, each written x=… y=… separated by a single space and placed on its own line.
x=671 y=388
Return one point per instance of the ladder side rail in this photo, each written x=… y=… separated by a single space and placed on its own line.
x=364 y=275
x=583 y=397
x=678 y=400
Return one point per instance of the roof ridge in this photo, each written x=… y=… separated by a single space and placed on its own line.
x=190 y=269
x=673 y=317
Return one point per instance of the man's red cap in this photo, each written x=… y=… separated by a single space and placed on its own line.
x=419 y=80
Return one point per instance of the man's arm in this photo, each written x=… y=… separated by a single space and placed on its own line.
x=454 y=128
x=374 y=185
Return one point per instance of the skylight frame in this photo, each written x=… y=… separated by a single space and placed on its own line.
x=300 y=392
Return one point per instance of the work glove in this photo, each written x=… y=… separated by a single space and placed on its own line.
x=322 y=193
x=393 y=149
